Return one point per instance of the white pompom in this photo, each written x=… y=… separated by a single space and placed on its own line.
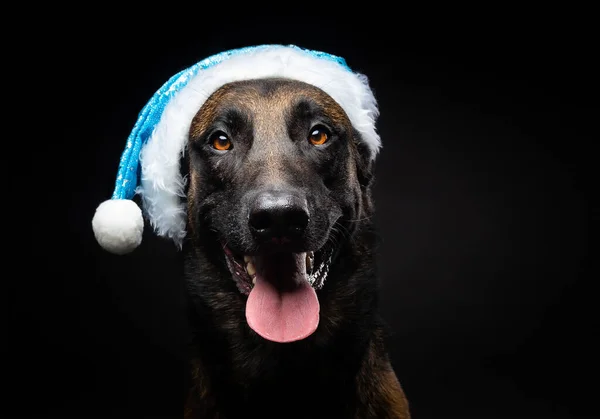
x=118 y=225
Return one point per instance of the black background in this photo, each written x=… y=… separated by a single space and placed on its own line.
x=483 y=200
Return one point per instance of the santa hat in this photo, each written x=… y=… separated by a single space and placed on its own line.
x=150 y=163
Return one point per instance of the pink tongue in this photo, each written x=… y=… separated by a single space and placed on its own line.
x=282 y=315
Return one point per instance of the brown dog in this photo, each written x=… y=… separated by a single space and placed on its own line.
x=280 y=264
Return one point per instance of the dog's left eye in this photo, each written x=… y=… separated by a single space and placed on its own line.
x=318 y=135
x=220 y=141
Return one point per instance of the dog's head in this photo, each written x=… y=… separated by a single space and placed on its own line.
x=277 y=178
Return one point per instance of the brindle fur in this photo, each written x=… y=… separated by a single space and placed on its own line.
x=342 y=370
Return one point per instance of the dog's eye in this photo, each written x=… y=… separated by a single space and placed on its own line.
x=318 y=135
x=220 y=141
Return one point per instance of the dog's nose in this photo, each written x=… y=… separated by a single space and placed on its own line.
x=278 y=216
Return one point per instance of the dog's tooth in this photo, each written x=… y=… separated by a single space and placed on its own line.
x=250 y=268
x=254 y=280
x=309 y=261
x=247 y=258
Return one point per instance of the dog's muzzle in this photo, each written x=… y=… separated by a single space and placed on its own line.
x=281 y=277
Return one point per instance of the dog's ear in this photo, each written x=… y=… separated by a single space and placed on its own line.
x=364 y=173
x=364 y=163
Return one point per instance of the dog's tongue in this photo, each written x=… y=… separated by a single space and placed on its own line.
x=282 y=306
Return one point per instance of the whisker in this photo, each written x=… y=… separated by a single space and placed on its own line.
x=361 y=219
x=344 y=231
x=333 y=237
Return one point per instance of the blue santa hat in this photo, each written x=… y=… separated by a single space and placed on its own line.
x=149 y=165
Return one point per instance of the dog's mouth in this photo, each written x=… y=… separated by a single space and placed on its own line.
x=282 y=303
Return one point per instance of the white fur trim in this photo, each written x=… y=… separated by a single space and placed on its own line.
x=161 y=181
x=118 y=225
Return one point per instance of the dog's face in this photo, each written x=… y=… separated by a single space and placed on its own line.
x=277 y=176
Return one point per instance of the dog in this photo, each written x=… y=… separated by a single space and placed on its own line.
x=280 y=268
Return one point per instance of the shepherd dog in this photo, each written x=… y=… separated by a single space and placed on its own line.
x=280 y=260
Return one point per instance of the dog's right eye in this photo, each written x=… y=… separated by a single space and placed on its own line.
x=220 y=141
